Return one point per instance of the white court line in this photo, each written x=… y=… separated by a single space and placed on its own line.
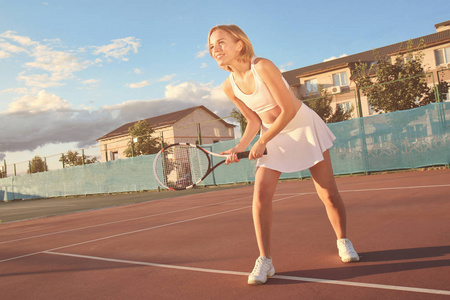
x=120 y=221
x=293 y=278
x=140 y=230
x=195 y=207
x=398 y=188
x=183 y=221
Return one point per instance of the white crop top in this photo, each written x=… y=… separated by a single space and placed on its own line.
x=261 y=100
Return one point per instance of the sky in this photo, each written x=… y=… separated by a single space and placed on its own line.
x=72 y=71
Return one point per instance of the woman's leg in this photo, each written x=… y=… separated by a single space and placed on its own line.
x=327 y=190
x=265 y=184
x=323 y=177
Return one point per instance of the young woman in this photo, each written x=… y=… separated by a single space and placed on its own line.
x=296 y=139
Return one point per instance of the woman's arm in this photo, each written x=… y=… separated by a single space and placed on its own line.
x=272 y=77
x=253 y=120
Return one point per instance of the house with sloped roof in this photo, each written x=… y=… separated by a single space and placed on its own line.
x=335 y=75
x=197 y=125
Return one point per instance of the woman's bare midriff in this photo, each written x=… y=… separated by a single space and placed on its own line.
x=268 y=117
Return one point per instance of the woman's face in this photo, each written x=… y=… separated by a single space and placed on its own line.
x=224 y=48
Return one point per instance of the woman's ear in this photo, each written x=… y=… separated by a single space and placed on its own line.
x=240 y=45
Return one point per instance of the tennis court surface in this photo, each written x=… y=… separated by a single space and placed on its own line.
x=202 y=246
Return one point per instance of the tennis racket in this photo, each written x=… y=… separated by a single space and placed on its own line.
x=182 y=166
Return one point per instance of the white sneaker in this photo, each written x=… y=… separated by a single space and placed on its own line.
x=263 y=269
x=346 y=251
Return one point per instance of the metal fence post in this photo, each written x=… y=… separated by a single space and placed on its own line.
x=106 y=152
x=436 y=87
x=199 y=134
x=5 y=169
x=358 y=102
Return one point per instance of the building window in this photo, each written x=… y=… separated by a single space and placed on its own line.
x=409 y=58
x=447 y=97
x=216 y=132
x=114 y=155
x=442 y=56
x=311 y=86
x=340 y=79
x=346 y=106
x=230 y=131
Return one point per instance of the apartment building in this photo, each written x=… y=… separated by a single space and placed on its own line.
x=336 y=75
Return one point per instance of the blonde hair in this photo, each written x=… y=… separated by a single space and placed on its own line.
x=247 y=52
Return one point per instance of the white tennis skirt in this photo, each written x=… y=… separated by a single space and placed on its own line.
x=300 y=145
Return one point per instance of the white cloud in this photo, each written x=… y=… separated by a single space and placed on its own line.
x=22 y=40
x=166 y=78
x=4 y=54
x=334 y=57
x=203 y=65
x=145 y=83
x=137 y=71
x=202 y=53
x=51 y=64
x=8 y=47
x=91 y=81
x=48 y=66
x=119 y=48
x=16 y=90
x=41 y=102
x=195 y=93
x=44 y=118
x=61 y=65
x=38 y=80
x=138 y=85
x=286 y=65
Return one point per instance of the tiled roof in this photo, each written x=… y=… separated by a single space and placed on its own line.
x=160 y=121
x=446 y=23
x=367 y=56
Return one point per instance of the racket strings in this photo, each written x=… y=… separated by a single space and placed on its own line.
x=182 y=166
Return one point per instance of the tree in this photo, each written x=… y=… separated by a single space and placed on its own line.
x=399 y=84
x=74 y=159
x=322 y=106
x=441 y=89
x=37 y=165
x=240 y=118
x=340 y=115
x=145 y=144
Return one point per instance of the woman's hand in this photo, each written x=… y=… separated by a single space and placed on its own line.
x=257 y=150
x=233 y=157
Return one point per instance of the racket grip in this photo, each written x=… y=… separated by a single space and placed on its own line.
x=245 y=154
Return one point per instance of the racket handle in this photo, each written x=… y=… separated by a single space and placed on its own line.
x=245 y=154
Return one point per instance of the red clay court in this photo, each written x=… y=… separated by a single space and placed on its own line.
x=202 y=246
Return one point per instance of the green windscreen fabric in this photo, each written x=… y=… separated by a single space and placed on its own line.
x=400 y=140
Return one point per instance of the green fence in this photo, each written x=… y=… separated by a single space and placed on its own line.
x=400 y=140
